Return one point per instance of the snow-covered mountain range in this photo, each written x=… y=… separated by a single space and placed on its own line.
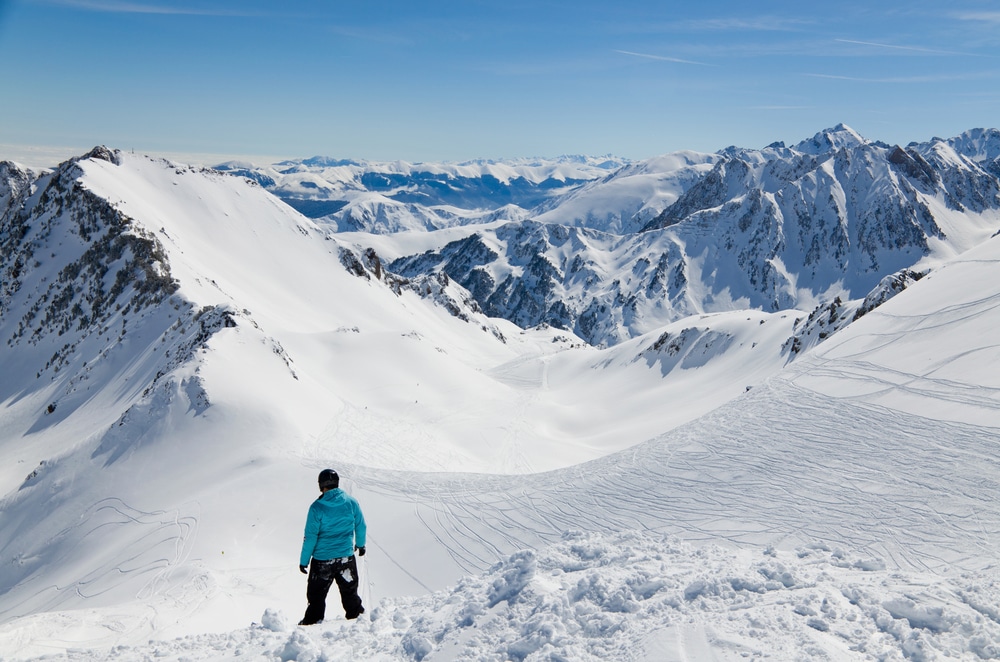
x=390 y=197
x=611 y=250
x=767 y=229
x=748 y=398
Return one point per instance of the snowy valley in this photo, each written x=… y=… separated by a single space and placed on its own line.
x=740 y=405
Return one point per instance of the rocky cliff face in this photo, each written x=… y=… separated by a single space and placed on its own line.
x=86 y=290
x=107 y=267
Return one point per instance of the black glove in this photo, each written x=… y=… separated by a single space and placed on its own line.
x=304 y=570
x=361 y=551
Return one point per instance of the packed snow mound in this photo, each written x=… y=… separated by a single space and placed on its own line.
x=639 y=596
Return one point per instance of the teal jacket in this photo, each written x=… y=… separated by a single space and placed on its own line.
x=333 y=527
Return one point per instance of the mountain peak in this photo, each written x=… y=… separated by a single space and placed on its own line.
x=978 y=144
x=830 y=140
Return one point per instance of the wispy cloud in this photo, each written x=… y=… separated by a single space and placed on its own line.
x=764 y=25
x=912 y=49
x=753 y=24
x=371 y=35
x=780 y=107
x=663 y=58
x=114 y=6
x=942 y=78
x=984 y=16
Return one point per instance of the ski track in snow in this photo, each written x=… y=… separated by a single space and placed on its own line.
x=512 y=457
x=759 y=479
x=134 y=557
x=158 y=542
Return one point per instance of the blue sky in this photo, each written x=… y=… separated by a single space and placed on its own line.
x=428 y=81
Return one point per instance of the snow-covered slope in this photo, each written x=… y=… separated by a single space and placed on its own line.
x=377 y=213
x=174 y=335
x=842 y=510
x=166 y=329
x=710 y=489
x=626 y=200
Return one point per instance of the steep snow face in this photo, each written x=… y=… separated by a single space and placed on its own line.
x=980 y=145
x=86 y=296
x=831 y=140
x=874 y=220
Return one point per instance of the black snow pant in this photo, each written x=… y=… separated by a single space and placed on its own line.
x=322 y=574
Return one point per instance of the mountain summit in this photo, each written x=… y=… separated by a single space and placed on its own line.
x=831 y=140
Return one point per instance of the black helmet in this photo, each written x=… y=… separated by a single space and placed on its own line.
x=328 y=478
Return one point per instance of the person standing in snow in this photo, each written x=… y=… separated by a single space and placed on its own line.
x=335 y=528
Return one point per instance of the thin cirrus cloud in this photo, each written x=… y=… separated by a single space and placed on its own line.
x=773 y=107
x=370 y=35
x=984 y=16
x=756 y=24
x=761 y=24
x=894 y=47
x=663 y=58
x=908 y=79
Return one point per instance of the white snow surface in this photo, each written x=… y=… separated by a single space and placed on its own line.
x=687 y=495
x=633 y=195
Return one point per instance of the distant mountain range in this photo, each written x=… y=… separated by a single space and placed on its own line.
x=773 y=229
x=606 y=193
x=610 y=249
x=389 y=197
